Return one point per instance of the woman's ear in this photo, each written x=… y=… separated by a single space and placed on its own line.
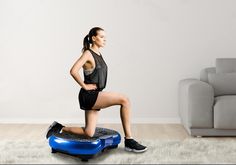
x=93 y=38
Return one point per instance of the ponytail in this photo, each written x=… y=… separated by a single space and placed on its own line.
x=86 y=43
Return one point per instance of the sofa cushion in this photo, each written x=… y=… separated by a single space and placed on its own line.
x=223 y=83
x=225 y=112
x=204 y=73
x=225 y=65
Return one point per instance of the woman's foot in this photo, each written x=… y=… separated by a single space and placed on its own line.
x=133 y=146
x=55 y=127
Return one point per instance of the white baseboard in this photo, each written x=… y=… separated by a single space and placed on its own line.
x=81 y=121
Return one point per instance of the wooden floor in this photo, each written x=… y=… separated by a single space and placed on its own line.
x=139 y=131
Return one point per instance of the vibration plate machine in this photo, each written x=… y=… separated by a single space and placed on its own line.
x=83 y=147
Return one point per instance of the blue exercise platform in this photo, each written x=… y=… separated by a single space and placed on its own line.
x=83 y=147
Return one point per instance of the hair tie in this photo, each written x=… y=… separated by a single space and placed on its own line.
x=89 y=39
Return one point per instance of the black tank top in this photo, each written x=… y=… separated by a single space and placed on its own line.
x=99 y=74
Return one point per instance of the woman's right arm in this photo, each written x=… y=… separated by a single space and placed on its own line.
x=74 y=71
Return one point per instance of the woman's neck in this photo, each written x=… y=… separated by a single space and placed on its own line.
x=95 y=49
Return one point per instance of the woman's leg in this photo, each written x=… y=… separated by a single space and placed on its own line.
x=107 y=99
x=91 y=117
x=104 y=100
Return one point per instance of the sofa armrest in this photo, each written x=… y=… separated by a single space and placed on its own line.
x=196 y=99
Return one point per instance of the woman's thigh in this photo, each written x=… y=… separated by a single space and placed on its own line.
x=107 y=99
x=91 y=117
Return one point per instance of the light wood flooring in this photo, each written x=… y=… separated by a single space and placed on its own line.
x=139 y=131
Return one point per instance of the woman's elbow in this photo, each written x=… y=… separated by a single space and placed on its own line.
x=72 y=72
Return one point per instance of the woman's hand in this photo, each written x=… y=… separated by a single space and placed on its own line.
x=90 y=87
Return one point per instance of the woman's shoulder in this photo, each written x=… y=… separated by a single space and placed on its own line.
x=87 y=54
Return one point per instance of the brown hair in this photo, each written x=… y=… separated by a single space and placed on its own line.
x=88 y=38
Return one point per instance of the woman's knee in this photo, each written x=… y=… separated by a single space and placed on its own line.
x=89 y=132
x=124 y=100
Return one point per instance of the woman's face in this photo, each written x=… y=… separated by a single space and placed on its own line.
x=99 y=39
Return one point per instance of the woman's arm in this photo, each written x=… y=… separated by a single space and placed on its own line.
x=74 y=71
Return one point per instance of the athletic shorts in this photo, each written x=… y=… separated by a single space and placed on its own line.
x=87 y=98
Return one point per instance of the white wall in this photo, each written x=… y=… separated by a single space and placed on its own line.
x=151 y=45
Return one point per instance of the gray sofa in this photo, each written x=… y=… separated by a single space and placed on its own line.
x=207 y=107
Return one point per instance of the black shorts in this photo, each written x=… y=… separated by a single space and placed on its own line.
x=87 y=98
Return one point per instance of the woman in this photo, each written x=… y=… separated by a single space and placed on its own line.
x=92 y=98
